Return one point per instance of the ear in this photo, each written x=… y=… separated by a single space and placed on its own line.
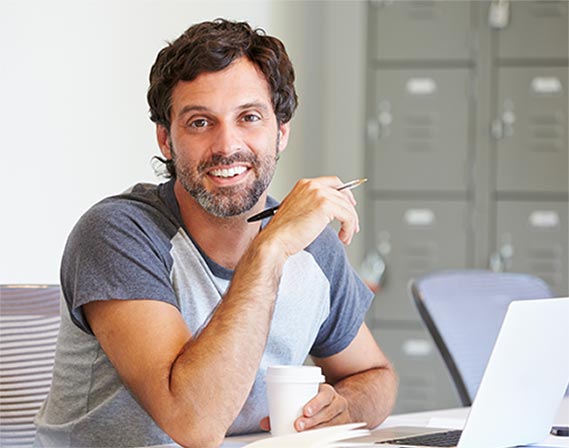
x=162 y=135
x=284 y=133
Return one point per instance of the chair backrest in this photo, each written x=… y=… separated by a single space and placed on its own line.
x=463 y=311
x=29 y=323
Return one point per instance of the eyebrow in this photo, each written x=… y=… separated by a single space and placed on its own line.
x=197 y=108
x=192 y=108
x=254 y=105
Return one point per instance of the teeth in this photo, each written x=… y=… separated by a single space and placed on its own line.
x=228 y=172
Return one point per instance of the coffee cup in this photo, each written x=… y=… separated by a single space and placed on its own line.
x=289 y=389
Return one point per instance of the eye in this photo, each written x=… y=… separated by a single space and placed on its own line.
x=251 y=117
x=199 y=123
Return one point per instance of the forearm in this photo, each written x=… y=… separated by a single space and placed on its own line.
x=370 y=394
x=223 y=359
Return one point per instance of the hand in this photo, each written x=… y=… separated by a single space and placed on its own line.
x=325 y=409
x=308 y=209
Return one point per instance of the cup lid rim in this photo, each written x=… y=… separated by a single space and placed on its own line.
x=294 y=374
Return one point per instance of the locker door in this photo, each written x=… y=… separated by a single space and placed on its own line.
x=534 y=235
x=414 y=238
x=531 y=129
x=537 y=29
x=421 y=30
x=420 y=129
x=424 y=381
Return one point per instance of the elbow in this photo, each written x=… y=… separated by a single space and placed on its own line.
x=194 y=431
x=206 y=441
x=390 y=397
x=194 y=437
x=190 y=419
x=392 y=387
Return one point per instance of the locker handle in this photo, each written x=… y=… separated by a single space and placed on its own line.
x=372 y=270
x=501 y=260
x=417 y=347
x=497 y=129
x=421 y=86
x=373 y=130
x=504 y=126
x=544 y=219
x=419 y=217
x=499 y=14
x=543 y=85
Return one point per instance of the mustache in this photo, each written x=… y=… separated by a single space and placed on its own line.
x=220 y=159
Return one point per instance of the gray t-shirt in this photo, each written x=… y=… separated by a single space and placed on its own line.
x=134 y=246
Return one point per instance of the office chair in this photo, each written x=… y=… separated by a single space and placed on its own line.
x=29 y=323
x=463 y=311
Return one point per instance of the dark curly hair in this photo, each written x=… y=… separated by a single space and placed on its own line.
x=211 y=47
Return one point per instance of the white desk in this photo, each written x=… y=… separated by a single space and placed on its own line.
x=426 y=419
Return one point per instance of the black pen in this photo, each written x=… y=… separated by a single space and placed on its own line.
x=271 y=211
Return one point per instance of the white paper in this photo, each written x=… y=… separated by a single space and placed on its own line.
x=316 y=438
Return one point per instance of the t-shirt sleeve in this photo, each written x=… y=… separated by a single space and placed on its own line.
x=350 y=298
x=117 y=250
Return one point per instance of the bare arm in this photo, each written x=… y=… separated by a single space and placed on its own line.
x=194 y=388
x=362 y=386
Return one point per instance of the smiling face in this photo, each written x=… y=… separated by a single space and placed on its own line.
x=224 y=138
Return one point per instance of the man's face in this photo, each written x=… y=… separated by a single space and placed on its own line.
x=224 y=138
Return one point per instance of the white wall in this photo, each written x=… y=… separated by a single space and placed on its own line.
x=74 y=120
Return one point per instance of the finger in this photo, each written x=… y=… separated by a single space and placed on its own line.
x=335 y=205
x=348 y=228
x=265 y=424
x=309 y=193
x=348 y=217
x=324 y=182
x=330 y=181
x=306 y=211
x=323 y=399
x=333 y=413
x=350 y=196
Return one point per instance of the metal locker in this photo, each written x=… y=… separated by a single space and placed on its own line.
x=419 y=129
x=424 y=381
x=533 y=30
x=414 y=238
x=531 y=129
x=421 y=30
x=532 y=238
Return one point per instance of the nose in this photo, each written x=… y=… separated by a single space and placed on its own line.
x=227 y=139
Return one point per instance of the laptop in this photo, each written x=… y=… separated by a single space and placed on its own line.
x=521 y=390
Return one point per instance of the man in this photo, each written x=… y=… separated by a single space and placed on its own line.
x=177 y=304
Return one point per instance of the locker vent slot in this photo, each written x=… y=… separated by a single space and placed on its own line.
x=420 y=132
x=547 y=9
x=546 y=133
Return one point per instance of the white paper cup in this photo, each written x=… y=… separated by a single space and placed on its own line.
x=289 y=388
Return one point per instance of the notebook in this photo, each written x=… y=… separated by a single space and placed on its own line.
x=522 y=387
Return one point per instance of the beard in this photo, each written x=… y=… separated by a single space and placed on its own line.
x=225 y=202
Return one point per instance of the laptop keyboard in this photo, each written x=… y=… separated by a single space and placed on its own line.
x=437 y=439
